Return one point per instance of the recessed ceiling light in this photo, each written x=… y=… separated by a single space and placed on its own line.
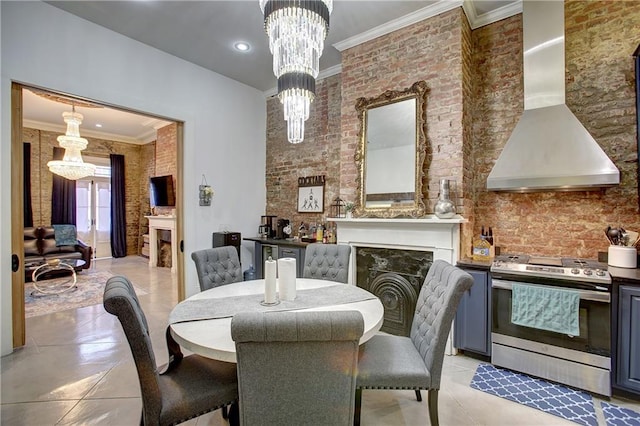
x=242 y=46
x=98 y=125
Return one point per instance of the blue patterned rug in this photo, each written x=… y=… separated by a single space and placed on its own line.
x=619 y=416
x=551 y=398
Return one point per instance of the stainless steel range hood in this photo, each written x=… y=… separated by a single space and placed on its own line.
x=549 y=149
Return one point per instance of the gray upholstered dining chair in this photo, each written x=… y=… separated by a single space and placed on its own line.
x=297 y=368
x=217 y=266
x=189 y=387
x=327 y=262
x=415 y=362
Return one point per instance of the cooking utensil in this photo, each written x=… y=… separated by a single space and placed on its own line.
x=606 y=233
x=632 y=238
x=614 y=236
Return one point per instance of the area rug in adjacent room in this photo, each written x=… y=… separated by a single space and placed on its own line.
x=89 y=291
x=551 y=398
x=615 y=415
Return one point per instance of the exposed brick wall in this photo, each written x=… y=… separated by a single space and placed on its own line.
x=475 y=100
x=465 y=201
x=147 y=169
x=42 y=144
x=165 y=158
x=40 y=201
x=318 y=154
x=600 y=39
x=497 y=106
x=429 y=50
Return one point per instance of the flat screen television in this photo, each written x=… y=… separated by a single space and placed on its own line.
x=161 y=191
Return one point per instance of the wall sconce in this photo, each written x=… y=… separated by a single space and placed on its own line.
x=205 y=192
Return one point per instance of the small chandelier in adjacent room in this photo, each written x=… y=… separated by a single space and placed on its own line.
x=71 y=166
x=296 y=30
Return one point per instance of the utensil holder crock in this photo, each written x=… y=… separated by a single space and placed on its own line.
x=623 y=257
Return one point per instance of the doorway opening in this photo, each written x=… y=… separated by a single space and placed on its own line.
x=93 y=208
x=44 y=132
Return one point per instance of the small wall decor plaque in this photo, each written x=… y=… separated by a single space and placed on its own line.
x=311 y=194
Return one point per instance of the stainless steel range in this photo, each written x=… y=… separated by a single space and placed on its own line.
x=581 y=360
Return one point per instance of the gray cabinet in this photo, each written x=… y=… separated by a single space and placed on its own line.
x=628 y=350
x=472 y=326
x=297 y=253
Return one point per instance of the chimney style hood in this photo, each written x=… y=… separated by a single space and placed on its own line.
x=549 y=149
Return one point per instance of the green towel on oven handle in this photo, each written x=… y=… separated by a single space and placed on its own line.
x=546 y=308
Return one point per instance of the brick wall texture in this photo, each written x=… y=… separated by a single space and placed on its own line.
x=475 y=99
x=600 y=39
x=318 y=154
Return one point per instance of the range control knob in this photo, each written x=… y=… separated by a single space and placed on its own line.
x=575 y=271
x=588 y=271
x=600 y=272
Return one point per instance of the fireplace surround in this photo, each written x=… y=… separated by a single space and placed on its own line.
x=395 y=276
x=440 y=236
x=390 y=258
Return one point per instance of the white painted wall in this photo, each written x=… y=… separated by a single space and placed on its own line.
x=225 y=121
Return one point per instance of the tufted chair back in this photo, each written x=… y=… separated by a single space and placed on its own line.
x=437 y=304
x=186 y=388
x=297 y=368
x=217 y=266
x=327 y=262
x=120 y=300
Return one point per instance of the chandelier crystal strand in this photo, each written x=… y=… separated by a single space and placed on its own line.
x=296 y=111
x=296 y=31
x=72 y=166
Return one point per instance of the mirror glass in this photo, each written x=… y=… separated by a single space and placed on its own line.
x=390 y=156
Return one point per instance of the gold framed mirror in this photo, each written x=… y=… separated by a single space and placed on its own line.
x=391 y=153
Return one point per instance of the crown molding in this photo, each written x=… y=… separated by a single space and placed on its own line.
x=477 y=21
x=142 y=139
x=396 y=24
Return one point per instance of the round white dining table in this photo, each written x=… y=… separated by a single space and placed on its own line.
x=212 y=337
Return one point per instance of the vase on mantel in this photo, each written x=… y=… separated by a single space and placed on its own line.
x=444 y=208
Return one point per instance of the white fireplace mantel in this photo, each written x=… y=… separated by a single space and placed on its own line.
x=167 y=223
x=440 y=236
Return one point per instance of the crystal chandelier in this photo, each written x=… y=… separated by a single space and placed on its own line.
x=72 y=167
x=296 y=31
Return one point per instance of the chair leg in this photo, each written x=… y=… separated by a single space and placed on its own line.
x=432 y=397
x=234 y=414
x=225 y=414
x=418 y=395
x=358 y=407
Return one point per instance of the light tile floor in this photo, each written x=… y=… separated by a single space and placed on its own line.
x=76 y=369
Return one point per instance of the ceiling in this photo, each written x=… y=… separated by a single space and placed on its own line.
x=204 y=33
x=45 y=112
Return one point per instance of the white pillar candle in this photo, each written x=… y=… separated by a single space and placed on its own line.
x=287 y=278
x=270 y=281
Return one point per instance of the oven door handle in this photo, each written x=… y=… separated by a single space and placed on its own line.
x=596 y=296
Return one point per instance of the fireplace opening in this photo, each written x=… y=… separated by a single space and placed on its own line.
x=395 y=276
x=164 y=248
